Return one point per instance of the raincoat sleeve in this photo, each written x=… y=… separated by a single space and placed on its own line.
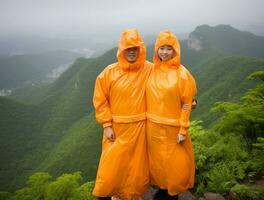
x=188 y=92
x=101 y=100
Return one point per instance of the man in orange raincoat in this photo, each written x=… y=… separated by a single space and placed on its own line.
x=119 y=101
x=169 y=92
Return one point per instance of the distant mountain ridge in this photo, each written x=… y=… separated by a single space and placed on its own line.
x=226 y=39
x=19 y=70
x=220 y=58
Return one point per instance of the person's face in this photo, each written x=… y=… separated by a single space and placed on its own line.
x=166 y=52
x=131 y=54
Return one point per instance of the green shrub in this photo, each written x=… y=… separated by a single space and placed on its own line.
x=241 y=192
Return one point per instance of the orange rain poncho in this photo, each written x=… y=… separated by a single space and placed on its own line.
x=119 y=101
x=170 y=85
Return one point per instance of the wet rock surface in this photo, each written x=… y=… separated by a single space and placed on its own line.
x=212 y=196
x=184 y=196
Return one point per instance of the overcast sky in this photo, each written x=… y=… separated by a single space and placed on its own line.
x=71 y=18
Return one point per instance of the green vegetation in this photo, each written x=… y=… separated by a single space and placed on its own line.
x=231 y=152
x=247 y=192
x=223 y=79
x=31 y=133
x=19 y=70
x=40 y=186
x=79 y=149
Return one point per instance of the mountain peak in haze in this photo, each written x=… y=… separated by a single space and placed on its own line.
x=225 y=38
x=198 y=39
x=205 y=27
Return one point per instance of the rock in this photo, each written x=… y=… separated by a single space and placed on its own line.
x=150 y=193
x=194 y=43
x=212 y=196
x=186 y=196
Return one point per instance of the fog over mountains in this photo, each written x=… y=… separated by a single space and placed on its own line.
x=62 y=24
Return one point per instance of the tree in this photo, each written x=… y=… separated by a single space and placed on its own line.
x=65 y=187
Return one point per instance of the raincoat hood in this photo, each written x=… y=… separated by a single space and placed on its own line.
x=131 y=38
x=167 y=38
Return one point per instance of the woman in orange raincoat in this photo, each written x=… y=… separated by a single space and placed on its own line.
x=119 y=101
x=170 y=90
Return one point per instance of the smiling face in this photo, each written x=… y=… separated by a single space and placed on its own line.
x=166 y=52
x=131 y=54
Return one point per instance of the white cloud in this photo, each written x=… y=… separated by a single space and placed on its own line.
x=101 y=17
